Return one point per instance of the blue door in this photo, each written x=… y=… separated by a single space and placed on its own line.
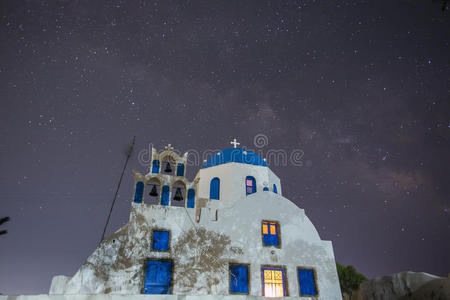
x=158 y=277
x=191 y=198
x=165 y=195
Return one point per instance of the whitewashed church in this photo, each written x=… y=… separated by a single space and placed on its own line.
x=229 y=232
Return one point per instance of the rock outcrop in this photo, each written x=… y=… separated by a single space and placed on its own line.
x=404 y=286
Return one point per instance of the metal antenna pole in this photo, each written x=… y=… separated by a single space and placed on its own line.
x=118 y=186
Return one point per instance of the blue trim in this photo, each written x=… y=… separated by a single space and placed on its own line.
x=282 y=273
x=239 y=279
x=155 y=166
x=139 y=192
x=180 y=169
x=160 y=240
x=275 y=190
x=307 y=284
x=158 y=277
x=191 y=198
x=234 y=155
x=165 y=195
x=250 y=189
x=214 y=189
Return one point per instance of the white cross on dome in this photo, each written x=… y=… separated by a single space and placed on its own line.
x=235 y=143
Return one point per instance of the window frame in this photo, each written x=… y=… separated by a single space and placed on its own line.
x=315 y=281
x=229 y=277
x=278 y=231
x=168 y=240
x=285 y=279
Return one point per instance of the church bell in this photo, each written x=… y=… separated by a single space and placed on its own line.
x=168 y=168
x=153 y=192
x=178 y=196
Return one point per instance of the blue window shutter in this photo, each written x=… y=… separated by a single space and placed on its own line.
x=307 y=283
x=275 y=240
x=160 y=240
x=155 y=166
x=191 y=198
x=239 y=279
x=275 y=190
x=139 y=192
x=267 y=240
x=214 y=189
x=165 y=195
x=158 y=277
x=180 y=169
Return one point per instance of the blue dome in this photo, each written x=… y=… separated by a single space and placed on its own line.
x=237 y=155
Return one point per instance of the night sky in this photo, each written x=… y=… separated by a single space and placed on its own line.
x=360 y=88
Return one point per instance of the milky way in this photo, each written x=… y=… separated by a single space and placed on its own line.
x=357 y=90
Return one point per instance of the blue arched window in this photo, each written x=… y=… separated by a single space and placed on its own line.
x=250 y=185
x=155 y=166
x=180 y=169
x=139 y=192
x=165 y=195
x=275 y=189
x=214 y=188
x=191 y=198
x=265 y=189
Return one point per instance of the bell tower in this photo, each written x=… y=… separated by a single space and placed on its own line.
x=165 y=184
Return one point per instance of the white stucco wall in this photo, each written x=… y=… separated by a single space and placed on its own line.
x=227 y=231
x=232 y=180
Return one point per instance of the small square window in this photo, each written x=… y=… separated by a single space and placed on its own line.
x=271 y=233
x=160 y=240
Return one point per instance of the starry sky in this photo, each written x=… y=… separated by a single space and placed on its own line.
x=360 y=88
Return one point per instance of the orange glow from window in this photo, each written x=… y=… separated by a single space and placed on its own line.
x=272 y=228
x=273 y=283
x=265 y=230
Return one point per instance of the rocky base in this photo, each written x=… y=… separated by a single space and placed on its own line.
x=403 y=286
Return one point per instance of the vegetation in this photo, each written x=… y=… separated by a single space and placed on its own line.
x=349 y=279
x=3 y=220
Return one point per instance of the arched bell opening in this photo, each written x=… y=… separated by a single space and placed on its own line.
x=168 y=166
x=178 y=194
x=154 y=191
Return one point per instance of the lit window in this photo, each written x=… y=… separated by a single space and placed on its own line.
x=160 y=240
x=271 y=233
x=274 y=282
x=250 y=185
